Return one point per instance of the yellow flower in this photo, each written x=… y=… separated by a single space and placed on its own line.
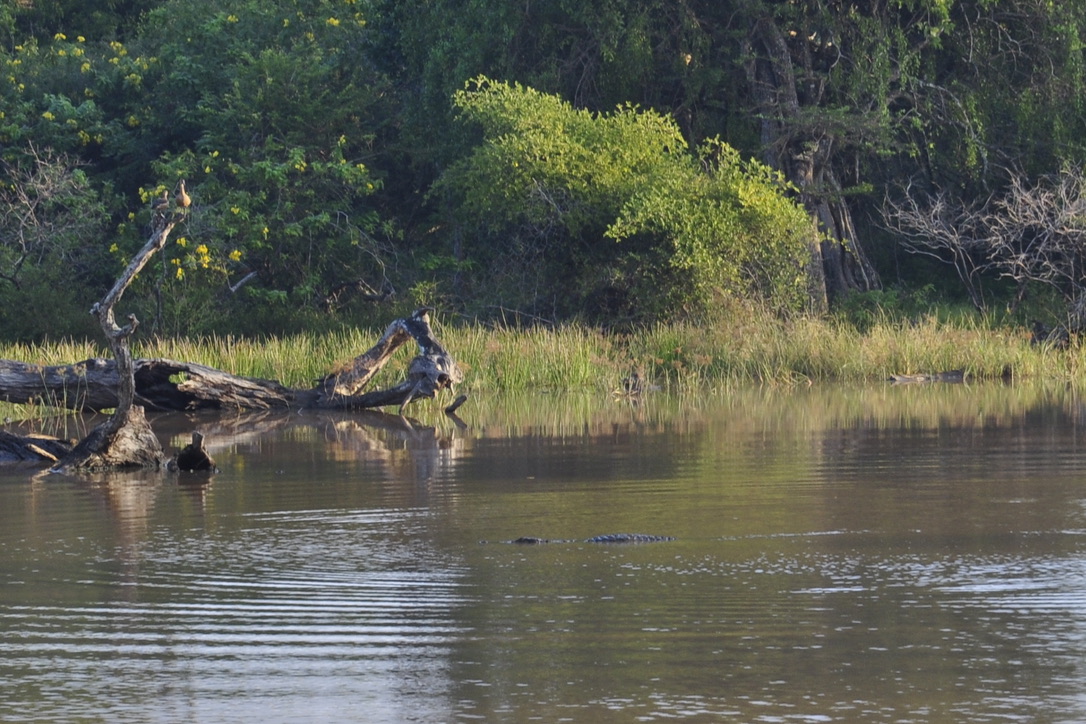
x=113 y=248
x=231 y=18
x=202 y=250
x=47 y=116
x=180 y=273
x=60 y=36
x=235 y=255
x=332 y=21
x=181 y=241
x=80 y=39
x=235 y=209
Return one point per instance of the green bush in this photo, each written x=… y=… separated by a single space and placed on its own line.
x=551 y=189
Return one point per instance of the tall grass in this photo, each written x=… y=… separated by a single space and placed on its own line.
x=737 y=349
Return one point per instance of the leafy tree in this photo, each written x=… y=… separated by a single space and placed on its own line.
x=275 y=111
x=552 y=188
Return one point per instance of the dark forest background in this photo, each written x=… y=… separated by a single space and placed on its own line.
x=618 y=162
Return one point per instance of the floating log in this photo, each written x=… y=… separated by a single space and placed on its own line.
x=160 y=384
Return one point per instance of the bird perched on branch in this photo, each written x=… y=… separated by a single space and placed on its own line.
x=161 y=202
x=182 y=199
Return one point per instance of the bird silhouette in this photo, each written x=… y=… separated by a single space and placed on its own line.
x=182 y=199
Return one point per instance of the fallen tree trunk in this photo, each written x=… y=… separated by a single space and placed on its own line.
x=160 y=384
x=165 y=384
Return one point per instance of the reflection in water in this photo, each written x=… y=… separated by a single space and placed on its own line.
x=864 y=554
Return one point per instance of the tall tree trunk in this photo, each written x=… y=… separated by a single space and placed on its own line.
x=785 y=93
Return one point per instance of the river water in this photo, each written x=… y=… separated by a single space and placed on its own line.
x=878 y=554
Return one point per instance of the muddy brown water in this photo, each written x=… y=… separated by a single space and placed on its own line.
x=877 y=554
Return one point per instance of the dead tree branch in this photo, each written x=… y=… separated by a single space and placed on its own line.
x=124 y=440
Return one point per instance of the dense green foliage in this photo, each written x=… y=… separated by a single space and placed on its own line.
x=335 y=155
x=692 y=226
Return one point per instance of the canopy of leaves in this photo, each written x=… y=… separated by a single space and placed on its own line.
x=310 y=133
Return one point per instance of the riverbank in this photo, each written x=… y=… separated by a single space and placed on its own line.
x=685 y=355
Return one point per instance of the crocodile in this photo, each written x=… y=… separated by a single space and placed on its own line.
x=606 y=538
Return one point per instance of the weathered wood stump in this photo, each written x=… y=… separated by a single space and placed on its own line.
x=120 y=443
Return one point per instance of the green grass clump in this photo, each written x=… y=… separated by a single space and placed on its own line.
x=505 y=359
